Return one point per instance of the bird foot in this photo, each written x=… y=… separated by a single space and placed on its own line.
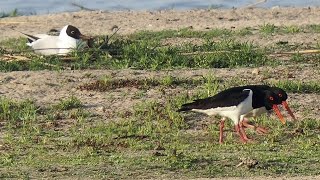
x=260 y=130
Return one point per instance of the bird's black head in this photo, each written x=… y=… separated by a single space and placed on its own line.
x=270 y=99
x=73 y=32
x=283 y=96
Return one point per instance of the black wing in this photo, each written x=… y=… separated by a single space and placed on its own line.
x=30 y=37
x=229 y=97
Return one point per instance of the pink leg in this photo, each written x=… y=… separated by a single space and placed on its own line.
x=221 y=130
x=243 y=132
x=237 y=128
x=259 y=130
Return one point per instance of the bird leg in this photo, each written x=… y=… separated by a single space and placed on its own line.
x=243 y=132
x=258 y=129
x=238 y=131
x=221 y=130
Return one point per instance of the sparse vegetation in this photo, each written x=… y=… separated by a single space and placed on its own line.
x=299 y=86
x=13 y=13
x=143 y=83
x=154 y=137
x=143 y=50
x=268 y=29
x=69 y=103
x=146 y=54
x=291 y=29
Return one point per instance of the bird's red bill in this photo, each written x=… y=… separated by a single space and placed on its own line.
x=285 y=104
x=277 y=111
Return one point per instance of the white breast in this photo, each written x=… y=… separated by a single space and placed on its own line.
x=50 y=45
x=256 y=112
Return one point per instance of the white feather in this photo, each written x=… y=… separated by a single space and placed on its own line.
x=58 y=45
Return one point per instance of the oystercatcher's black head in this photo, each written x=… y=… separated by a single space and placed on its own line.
x=270 y=100
x=283 y=96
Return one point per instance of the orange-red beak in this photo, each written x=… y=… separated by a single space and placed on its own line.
x=277 y=111
x=285 y=104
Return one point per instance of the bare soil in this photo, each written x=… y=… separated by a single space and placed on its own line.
x=101 y=23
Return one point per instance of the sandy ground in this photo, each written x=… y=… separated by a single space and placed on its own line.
x=47 y=87
x=98 y=22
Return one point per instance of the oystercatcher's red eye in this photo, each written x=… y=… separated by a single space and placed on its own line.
x=280 y=95
x=271 y=98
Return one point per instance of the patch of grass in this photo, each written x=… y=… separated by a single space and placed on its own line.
x=314 y=28
x=108 y=83
x=183 y=33
x=298 y=58
x=69 y=103
x=18 y=114
x=298 y=86
x=291 y=29
x=210 y=84
x=15 y=45
x=13 y=13
x=227 y=53
x=268 y=29
x=244 y=31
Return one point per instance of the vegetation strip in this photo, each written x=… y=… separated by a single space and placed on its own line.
x=144 y=50
x=108 y=83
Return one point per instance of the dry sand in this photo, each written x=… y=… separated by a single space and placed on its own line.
x=101 y=23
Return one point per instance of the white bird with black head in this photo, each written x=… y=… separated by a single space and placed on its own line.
x=233 y=103
x=68 y=39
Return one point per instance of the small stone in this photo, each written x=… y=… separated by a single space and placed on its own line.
x=248 y=162
x=8 y=79
x=114 y=28
x=290 y=75
x=101 y=109
x=255 y=71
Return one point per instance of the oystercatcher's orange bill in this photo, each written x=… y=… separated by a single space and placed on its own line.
x=278 y=113
x=285 y=104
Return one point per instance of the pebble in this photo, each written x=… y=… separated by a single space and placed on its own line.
x=255 y=71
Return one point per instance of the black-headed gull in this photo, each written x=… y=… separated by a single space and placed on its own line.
x=68 y=39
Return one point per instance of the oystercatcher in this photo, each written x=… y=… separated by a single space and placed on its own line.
x=234 y=102
x=281 y=94
x=67 y=40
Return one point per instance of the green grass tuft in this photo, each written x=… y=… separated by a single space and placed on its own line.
x=69 y=103
x=268 y=29
x=298 y=86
